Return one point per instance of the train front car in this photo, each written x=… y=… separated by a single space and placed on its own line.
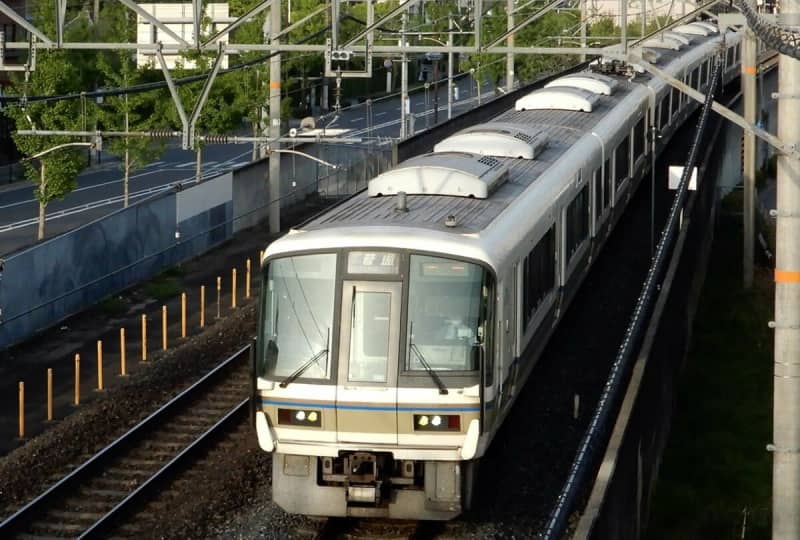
x=369 y=370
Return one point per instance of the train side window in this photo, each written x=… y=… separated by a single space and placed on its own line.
x=729 y=58
x=621 y=161
x=607 y=184
x=696 y=78
x=673 y=102
x=704 y=73
x=539 y=275
x=664 y=113
x=638 y=139
x=597 y=188
x=577 y=221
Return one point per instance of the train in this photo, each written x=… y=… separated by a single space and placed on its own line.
x=397 y=327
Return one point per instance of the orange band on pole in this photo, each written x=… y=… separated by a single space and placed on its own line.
x=749 y=70
x=784 y=276
x=274 y=84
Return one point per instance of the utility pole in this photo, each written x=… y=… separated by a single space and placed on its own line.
x=623 y=12
x=275 y=122
x=583 y=28
x=510 y=43
x=450 y=88
x=403 y=78
x=786 y=395
x=749 y=69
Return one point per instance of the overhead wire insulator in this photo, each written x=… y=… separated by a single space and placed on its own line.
x=160 y=134
x=216 y=139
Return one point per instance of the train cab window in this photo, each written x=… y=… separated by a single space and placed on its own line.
x=621 y=162
x=369 y=337
x=607 y=184
x=638 y=139
x=538 y=275
x=577 y=226
x=297 y=308
x=447 y=314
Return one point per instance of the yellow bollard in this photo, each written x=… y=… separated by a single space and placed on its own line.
x=202 y=306
x=233 y=288
x=99 y=366
x=164 y=328
x=21 y=410
x=219 y=297
x=122 y=359
x=247 y=279
x=77 y=379
x=49 y=394
x=144 y=337
x=183 y=315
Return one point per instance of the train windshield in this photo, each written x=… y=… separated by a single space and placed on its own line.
x=447 y=312
x=298 y=316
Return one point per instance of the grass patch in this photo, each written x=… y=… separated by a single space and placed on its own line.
x=113 y=306
x=715 y=469
x=163 y=287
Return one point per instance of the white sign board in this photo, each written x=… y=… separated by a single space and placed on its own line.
x=675 y=173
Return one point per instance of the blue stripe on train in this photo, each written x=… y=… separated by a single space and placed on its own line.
x=366 y=407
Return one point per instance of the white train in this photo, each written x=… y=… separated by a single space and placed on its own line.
x=397 y=328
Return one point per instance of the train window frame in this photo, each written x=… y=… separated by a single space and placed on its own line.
x=622 y=156
x=663 y=112
x=576 y=223
x=597 y=199
x=415 y=378
x=607 y=182
x=541 y=259
x=639 y=146
x=674 y=98
x=332 y=345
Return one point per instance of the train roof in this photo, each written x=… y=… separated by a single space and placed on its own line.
x=560 y=129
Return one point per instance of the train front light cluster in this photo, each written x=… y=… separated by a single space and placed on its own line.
x=437 y=422
x=300 y=417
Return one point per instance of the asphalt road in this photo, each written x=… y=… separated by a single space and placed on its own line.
x=100 y=187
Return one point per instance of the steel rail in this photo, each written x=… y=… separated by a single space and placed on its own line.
x=61 y=489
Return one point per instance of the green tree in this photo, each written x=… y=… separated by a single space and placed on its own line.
x=127 y=112
x=57 y=72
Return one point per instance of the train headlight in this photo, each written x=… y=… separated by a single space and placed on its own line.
x=299 y=417
x=438 y=422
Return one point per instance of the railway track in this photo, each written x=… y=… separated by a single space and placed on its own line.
x=93 y=500
x=369 y=529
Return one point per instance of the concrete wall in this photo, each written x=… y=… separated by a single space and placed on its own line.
x=64 y=275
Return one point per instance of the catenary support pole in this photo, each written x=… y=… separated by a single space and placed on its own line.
x=583 y=28
x=786 y=395
x=623 y=24
x=275 y=122
x=450 y=85
x=403 y=79
x=510 y=43
x=749 y=68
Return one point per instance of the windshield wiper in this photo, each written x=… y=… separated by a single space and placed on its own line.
x=299 y=371
x=442 y=388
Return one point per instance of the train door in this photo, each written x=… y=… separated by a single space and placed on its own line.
x=366 y=390
x=507 y=333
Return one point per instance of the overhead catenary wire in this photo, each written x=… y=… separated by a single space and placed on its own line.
x=597 y=433
x=774 y=37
